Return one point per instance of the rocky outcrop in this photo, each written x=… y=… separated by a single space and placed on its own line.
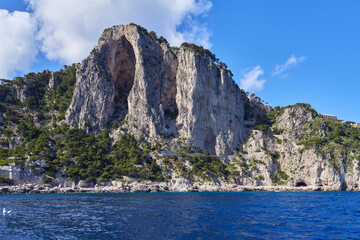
x=132 y=75
x=23 y=90
x=128 y=73
x=54 y=80
x=282 y=159
x=116 y=187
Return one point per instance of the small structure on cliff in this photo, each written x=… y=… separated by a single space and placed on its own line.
x=330 y=118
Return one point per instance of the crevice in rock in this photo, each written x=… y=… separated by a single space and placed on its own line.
x=121 y=62
x=344 y=186
x=168 y=101
x=168 y=89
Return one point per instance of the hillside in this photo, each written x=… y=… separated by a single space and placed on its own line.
x=142 y=115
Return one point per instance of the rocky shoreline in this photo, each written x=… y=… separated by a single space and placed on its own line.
x=132 y=187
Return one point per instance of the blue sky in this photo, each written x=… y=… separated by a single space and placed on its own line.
x=284 y=51
x=266 y=33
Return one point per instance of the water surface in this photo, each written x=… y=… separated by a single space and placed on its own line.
x=245 y=215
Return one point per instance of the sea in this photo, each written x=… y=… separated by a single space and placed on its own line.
x=241 y=215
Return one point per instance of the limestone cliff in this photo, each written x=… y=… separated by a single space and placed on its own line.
x=132 y=75
x=301 y=150
x=168 y=115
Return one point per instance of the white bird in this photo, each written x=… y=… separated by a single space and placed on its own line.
x=6 y=212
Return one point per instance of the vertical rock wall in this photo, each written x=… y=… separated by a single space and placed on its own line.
x=131 y=73
x=210 y=104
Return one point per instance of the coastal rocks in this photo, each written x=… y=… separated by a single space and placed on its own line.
x=156 y=187
x=4 y=190
x=352 y=176
x=64 y=182
x=282 y=159
x=84 y=184
x=312 y=170
x=180 y=184
x=208 y=187
x=131 y=75
x=140 y=188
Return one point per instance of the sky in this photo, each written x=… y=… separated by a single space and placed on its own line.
x=284 y=51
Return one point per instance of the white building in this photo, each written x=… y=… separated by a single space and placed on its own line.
x=16 y=173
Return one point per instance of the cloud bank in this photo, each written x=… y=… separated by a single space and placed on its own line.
x=251 y=81
x=18 y=47
x=67 y=30
x=290 y=63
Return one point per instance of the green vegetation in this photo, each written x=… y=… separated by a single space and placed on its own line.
x=336 y=141
x=5 y=180
x=60 y=98
x=280 y=178
x=205 y=167
x=209 y=167
x=292 y=114
x=84 y=156
x=7 y=92
x=89 y=163
x=274 y=156
x=40 y=97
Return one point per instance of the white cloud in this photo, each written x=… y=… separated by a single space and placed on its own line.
x=69 y=29
x=290 y=63
x=194 y=32
x=18 y=47
x=251 y=81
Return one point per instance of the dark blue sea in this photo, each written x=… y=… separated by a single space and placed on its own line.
x=245 y=215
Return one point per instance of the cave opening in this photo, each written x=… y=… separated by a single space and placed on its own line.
x=301 y=184
x=121 y=62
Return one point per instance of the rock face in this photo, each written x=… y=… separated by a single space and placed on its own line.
x=210 y=105
x=132 y=75
x=300 y=166
x=23 y=91
x=54 y=81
